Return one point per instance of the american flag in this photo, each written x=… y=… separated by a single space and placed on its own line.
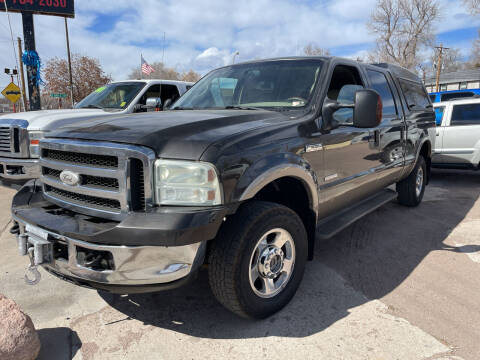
x=146 y=69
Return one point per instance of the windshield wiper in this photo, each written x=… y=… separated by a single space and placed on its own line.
x=91 y=106
x=237 y=107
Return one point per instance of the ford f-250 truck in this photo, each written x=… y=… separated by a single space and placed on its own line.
x=250 y=167
x=20 y=133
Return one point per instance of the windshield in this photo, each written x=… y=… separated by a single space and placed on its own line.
x=112 y=96
x=277 y=85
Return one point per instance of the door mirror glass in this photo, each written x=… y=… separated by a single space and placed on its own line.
x=153 y=103
x=368 y=109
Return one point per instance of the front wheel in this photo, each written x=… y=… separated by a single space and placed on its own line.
x=258 y=259
x=411 y=189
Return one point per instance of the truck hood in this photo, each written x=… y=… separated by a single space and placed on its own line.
x=179 y=134
x=44 y=119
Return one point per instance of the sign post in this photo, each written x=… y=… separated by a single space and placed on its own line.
x=63 y=8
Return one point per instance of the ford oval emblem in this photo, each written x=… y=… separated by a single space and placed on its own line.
x=69 y=178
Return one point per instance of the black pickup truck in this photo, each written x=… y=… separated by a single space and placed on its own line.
x=249 y=168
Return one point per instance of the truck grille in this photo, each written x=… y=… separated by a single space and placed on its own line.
x=13 y=138
x=5 y=139
x=109 y=179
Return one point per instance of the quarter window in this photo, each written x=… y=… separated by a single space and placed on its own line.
x=415 y=94
x=380 y=84
x=468 y=114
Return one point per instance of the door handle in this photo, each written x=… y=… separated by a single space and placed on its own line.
x=375 y=138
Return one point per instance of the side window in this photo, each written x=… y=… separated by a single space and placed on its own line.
x=380 y=84
x=169 y=92
x=433 y=97
x=468 y=114
x=457 y=95
x=415 y=94
x=439 y=111
x=345 y=82
x=152 y=91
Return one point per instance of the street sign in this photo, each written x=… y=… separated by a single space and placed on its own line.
x=63 y=8
x=61 y=96
x=12 y=92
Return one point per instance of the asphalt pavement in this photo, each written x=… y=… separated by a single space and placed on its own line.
x=401 y=283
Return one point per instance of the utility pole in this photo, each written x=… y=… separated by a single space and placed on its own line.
x=439 y=64
x=29 y=39
x=22 y=75
x=69 y=61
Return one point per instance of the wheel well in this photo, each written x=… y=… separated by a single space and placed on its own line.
x=291 y=192
x=426 y=152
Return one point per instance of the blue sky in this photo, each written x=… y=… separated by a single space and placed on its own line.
x=205 y=34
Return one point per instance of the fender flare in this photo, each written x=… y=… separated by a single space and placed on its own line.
x=302 y=173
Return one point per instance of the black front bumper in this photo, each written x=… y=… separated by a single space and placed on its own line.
x=161 y=226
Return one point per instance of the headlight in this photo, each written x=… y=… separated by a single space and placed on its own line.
x=191 y=183
x=34 y=137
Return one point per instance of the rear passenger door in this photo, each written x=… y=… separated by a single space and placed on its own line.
x=388 y=137
x=461 y=135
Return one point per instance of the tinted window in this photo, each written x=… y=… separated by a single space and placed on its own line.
x=415 y=94
x=456 y=95
x=439 y=114
x=468 y=114
x=169 y=92
x=380 y=84
x=433 y=97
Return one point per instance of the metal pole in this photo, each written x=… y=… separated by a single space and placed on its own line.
x=29 y=39
x=141 y=73
x=69 y=62
x=22 y=75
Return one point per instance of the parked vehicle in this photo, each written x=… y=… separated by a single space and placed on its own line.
x=20 y=133
x=252 y=164
x=458 y=134
x=453 y=94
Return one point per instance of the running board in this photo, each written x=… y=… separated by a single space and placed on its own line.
x=332 y=225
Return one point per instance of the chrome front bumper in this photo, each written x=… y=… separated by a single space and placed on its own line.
x=129 y=265
x=19 y=169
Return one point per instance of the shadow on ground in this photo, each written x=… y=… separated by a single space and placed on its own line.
x=58 y=343
x=373 y=256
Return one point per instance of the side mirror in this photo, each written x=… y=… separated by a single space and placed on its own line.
x=368 y=109
x=167 y=104
x=153 y=103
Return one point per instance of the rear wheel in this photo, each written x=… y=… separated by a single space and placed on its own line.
x=258 y=259
x=411 y=189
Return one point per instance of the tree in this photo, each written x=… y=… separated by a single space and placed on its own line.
x=164 y=73
x=315 y=50
x=475 y=53
x=87 y=74
x=403 y=29
x=473 y=6
x=190 y=76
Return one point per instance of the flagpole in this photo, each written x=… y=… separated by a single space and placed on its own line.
x=141 y=74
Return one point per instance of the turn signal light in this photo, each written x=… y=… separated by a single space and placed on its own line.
x=34 y=142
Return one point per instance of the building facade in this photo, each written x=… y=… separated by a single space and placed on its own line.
x=458 y=80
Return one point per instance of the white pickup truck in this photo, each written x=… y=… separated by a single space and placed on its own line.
x=458 y=134
x=20 y=133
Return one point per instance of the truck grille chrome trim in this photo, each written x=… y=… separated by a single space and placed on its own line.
x=14 y=138
x=112 y=176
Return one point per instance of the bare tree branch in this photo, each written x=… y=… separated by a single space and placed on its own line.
x=473 y=6
x=403 y=28
x=315 y=50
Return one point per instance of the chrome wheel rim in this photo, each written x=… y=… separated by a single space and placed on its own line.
x=271 y=263
x=419 y=182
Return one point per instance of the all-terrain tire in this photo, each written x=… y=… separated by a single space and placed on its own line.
x=230 y=259
x=410 y=192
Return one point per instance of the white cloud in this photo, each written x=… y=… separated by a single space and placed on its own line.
x=205 y=34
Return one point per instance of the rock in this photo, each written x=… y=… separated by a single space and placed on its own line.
x=18 y=338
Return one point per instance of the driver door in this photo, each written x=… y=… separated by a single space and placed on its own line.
x=351 y=158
